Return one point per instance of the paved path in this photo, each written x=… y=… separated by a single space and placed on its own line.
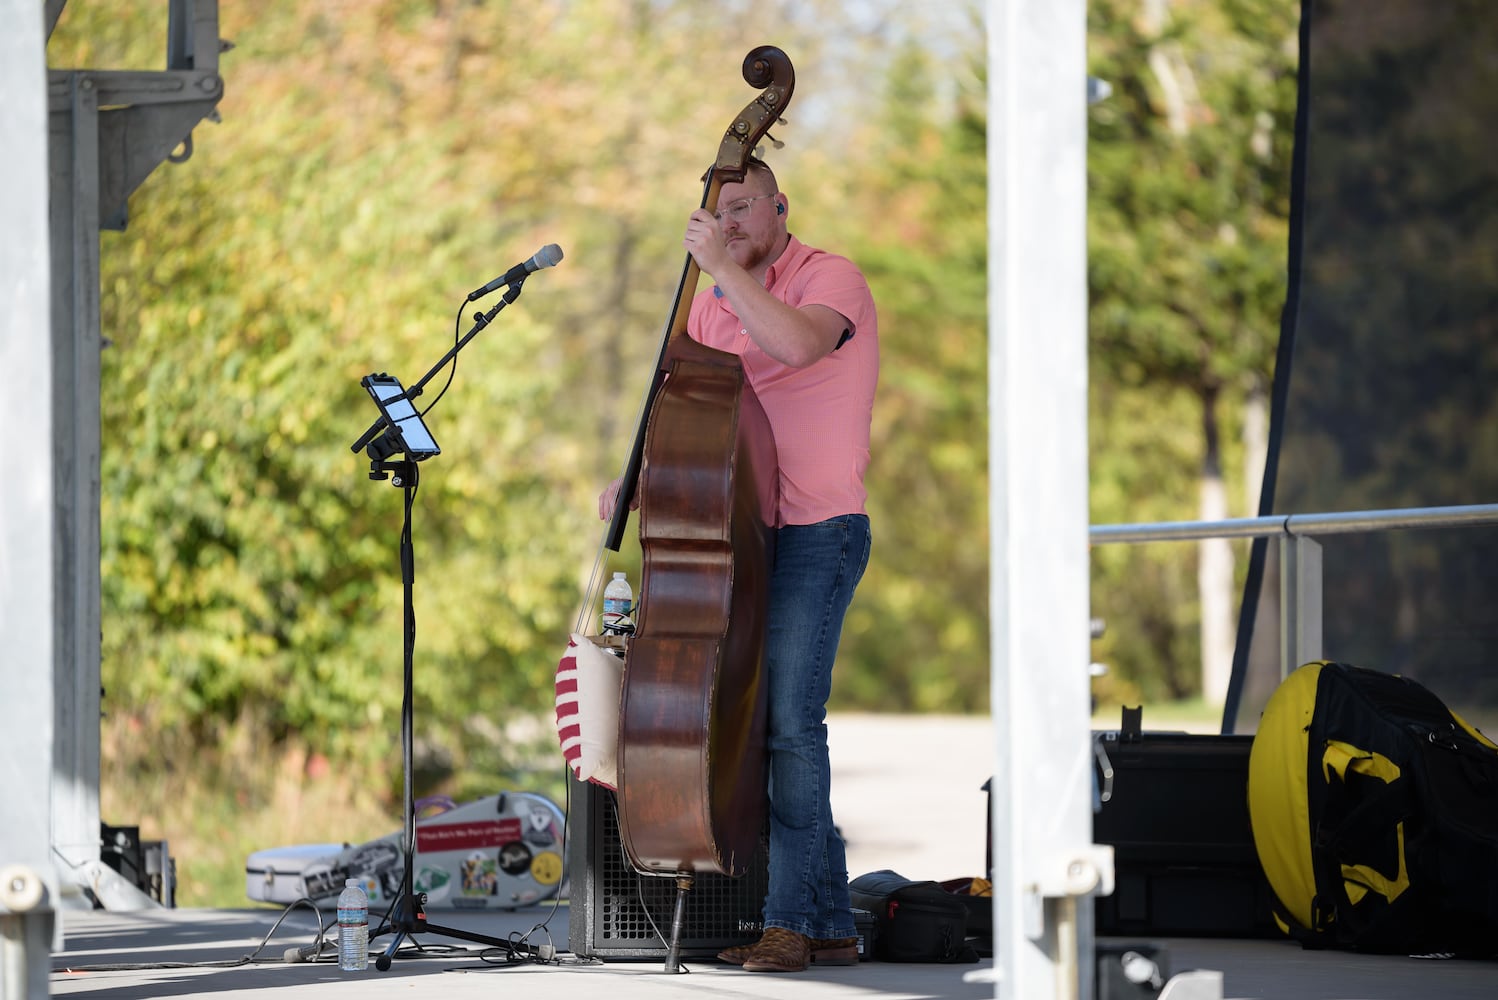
x=909 y=796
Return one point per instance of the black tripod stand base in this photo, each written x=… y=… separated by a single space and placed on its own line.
x=402 y=927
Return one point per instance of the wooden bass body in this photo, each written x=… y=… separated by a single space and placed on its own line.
x=692 y=754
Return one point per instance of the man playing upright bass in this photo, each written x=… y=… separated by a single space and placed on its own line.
x=803 y=324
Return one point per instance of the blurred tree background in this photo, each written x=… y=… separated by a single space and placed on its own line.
x=379 y=159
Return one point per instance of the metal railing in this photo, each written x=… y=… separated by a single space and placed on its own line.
x=1300 y=555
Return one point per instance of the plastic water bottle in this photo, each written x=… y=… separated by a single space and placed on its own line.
x=353 y=927
x=618 y=602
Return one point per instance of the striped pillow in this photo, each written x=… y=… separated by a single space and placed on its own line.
x=588 y=681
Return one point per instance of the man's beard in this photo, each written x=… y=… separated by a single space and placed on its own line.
x=750 y=254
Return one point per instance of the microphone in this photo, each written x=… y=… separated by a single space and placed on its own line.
x=547 y=256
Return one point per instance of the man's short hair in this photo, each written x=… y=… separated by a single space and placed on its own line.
x=754 y=165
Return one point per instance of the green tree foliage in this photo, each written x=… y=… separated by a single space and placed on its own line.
x=1188 y=171
x=918 y=632
x=378 y=160
x=374 y=163
x=251 y=563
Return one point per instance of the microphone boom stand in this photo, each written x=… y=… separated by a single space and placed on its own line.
x=408 y=916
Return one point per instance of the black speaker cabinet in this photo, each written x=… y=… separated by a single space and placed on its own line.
x=615 y=913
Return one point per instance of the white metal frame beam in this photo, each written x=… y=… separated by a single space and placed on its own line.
x=28 y=885
x=107 y=131
x=1045 y=863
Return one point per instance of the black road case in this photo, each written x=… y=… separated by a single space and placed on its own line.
x=1175 y=808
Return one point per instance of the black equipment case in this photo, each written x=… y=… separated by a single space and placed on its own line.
x=1174 y=806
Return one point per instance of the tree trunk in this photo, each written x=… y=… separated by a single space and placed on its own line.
x=1214 y=571
x=1255 y=443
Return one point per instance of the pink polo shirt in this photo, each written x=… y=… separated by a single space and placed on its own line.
x=819 y=414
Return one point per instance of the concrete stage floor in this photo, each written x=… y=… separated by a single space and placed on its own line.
x=99 y=945
x=907 y=796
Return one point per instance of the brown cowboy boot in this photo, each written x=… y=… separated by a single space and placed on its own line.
x=824 y=951
x=779 y=950
x=834 y=951
x=737 y=955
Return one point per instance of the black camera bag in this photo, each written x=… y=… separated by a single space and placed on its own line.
x=916 y=921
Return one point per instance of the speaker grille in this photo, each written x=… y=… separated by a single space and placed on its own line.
x=616 y=913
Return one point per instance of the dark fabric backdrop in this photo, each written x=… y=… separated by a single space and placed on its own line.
x=1387 y=384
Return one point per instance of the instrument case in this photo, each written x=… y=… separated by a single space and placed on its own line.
x=1174 y=806
x=499 y=852
x=274 y=875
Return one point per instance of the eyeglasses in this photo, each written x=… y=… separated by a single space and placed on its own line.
x=739 y=211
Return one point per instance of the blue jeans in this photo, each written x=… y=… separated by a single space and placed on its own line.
x=817 y=567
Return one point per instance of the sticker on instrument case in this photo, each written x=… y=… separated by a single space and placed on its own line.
x=546 y=868
x=478 y=875
x=514 y=858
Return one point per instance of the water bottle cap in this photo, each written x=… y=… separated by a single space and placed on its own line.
x=350 y=883
x=619 y=575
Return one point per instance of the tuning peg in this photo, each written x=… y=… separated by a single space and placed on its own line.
x=759 y=151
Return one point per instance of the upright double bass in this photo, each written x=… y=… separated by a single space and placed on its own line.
x=692 y=756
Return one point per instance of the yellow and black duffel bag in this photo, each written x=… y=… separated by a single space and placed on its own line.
x=1374 y=810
